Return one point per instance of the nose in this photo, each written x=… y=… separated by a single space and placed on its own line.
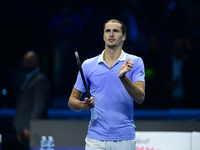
x=111 y=34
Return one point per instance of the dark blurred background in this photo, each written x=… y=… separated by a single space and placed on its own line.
x=159 y=31
x=164 y=33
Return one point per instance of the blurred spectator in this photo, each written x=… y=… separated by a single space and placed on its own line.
x=67 y=29
x=153 y=64
x=176 y=18
x=151 y=14
x=127 y=14
x=31 y=103
x=191 y=8
x=180 y=76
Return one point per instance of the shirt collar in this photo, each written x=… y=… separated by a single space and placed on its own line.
x=122 y=57
x=182 y=59
x=32 y=73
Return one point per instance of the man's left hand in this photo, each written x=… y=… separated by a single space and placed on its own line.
x=125 y=68
x=26 y=134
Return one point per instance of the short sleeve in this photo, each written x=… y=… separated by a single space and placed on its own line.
x=79 y=82
x=138 y=73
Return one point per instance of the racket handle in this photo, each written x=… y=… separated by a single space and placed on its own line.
x=93 y=113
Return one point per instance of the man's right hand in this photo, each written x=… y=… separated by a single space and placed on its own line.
x=89 y=103
x=19 y=138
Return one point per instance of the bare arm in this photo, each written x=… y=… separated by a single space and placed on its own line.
x=136 y=90
x=77 y=105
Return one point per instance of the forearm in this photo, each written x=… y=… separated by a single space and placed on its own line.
x=75 y=104
x=134 y=91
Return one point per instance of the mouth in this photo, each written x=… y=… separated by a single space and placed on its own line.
x=111 y=40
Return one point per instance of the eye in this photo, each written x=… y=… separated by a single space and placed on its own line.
x=115 y=30
x=107 y=30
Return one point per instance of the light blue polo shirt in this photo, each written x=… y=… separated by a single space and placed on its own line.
x=113 y=105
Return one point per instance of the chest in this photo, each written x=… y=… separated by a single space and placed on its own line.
x=103 y=76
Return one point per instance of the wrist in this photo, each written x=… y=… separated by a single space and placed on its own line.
x=122 y=76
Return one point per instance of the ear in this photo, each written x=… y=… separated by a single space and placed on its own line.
x=124 y=37
x=103 y=37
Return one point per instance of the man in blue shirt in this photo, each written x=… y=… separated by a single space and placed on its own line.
x=116 y=79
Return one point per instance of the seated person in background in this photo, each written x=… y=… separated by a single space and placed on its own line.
x=180 y=77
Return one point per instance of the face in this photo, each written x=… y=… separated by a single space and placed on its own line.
x=153 y=43
x=113 y=36
x=178 y=47
x=29 y=63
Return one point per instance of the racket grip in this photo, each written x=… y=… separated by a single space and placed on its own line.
x=93 y=113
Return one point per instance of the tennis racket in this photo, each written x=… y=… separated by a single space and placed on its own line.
x=93 y=113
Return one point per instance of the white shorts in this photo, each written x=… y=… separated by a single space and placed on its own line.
x=92 y=144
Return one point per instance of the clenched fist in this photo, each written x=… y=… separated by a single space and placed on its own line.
x=125 y=68
x=89 y=103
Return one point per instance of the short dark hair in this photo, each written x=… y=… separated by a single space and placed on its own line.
x=123 y=27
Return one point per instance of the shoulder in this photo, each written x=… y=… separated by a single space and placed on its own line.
x=90 y=64
x=134 y=58
x=40 y=77
x=91 y=61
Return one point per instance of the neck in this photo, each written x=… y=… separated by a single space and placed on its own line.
x=179 y=57
x=111 y=55
x=32 y=73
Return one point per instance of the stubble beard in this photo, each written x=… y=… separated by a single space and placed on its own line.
x=111 y=46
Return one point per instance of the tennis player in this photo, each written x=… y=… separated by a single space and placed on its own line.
x=116 y=80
